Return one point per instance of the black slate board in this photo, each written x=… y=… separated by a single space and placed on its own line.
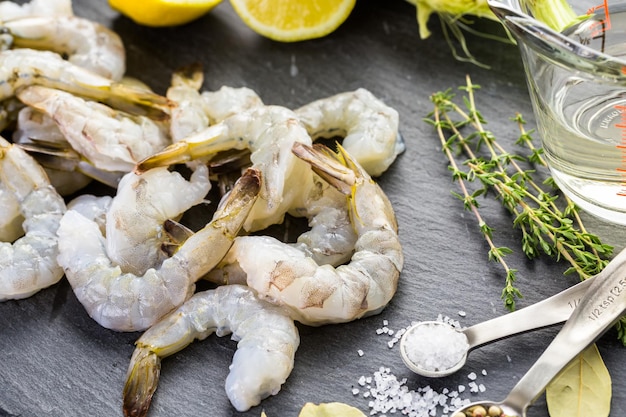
x=56 y=361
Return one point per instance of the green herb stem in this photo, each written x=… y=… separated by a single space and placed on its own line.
x=547 y=229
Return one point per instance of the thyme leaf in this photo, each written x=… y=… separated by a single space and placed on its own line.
x=549 y=222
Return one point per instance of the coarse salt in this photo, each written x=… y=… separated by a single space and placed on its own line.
x=435 y=347
x=388 y=395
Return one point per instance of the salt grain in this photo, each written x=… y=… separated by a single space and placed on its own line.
x=360 y=352
x=435 y=347
x=390 y=395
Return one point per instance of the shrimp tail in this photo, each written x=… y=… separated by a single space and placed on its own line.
x=202 y=144
x=177 y=235
x=141 y=382
x=236 y=205
x=138 y=101
x=336 y=169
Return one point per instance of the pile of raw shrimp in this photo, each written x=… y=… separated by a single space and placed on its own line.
x=73 y=118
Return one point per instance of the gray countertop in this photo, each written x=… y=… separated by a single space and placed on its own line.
x=56 y=361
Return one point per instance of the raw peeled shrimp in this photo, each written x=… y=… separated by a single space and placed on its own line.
x=24 y=67
x=29 y=264
x=197 y=110
x=331 y=237
x=269 y=133
x=188 y=116
x=10 y=10
x=39 y=135
x=321 y=294
x=227 y=101
x=329 y=241
x=136 y=234
x=369 y=127
x=86 y=43
x=111 y=140
x=127 y=302
x=92 y=207
x=267 y=342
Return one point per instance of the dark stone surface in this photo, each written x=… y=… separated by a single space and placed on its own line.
x=56 y=361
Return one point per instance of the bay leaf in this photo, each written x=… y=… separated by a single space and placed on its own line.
x=333 y=409
x=582 y=388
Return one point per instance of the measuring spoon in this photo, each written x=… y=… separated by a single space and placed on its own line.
x=552 y=310
x=599 y=308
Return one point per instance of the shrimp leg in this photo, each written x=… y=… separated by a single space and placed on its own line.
x=267 y=342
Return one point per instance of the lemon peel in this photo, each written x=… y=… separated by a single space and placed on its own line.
x=293 y=20
x=162 y=13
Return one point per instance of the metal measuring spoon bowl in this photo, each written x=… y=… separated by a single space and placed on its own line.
x=434 y=348
x=550 y=311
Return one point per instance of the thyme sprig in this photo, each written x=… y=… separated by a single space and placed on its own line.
x=549 y=222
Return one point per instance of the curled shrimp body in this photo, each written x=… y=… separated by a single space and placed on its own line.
x=109 y=139
x=10 y=10
x=321 y=294
x=24 y=67
x=136 y=234
x=92 y=207
x=126 y=302
x=329 y=241
x=267 y=342
x=29 y=264
x=269 y=133
x=331 y=237
x=369 y=127
x=188 y=116
x=86 y=43
x=39 y=135
x=227 y=101
x=195 y=110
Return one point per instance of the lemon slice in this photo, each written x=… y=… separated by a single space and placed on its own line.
x=163 y=12
x=293 y=20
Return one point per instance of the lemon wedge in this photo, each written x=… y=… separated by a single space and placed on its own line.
x=158 y=13
x=293 y=20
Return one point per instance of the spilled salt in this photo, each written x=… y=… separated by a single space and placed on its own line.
x=388 y=395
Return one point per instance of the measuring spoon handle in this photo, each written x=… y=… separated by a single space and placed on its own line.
x=599 y=308
x=552 y=310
